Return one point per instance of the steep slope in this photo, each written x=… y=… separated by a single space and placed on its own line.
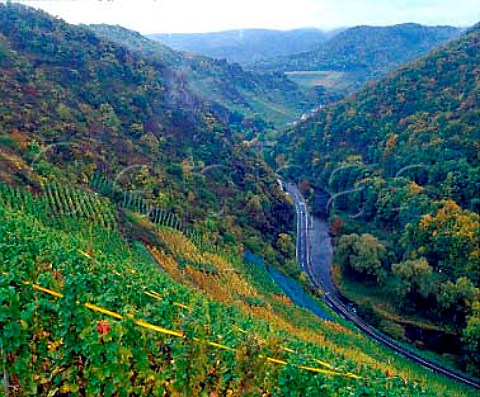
x=245 y=46
x=365 y=52
x=253 y=98
x=85 y=312
x=74 y=105
x=400 y=159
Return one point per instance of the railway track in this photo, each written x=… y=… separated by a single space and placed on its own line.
x=332 y=296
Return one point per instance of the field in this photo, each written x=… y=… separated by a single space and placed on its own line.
x=339 y=82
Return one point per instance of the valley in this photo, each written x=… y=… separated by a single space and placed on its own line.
x=303 y=222
x=263 y=100
x=337 y=62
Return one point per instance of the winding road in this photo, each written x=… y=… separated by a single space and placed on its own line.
x=315 y=253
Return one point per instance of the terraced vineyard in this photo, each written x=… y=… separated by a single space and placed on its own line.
x=59 y=204
x=135 y=202
x=84 y=312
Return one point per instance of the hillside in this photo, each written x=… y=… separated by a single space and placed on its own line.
x=400 y=162
x=254 y=99
x=86 y=312
x=245 y=46
x=74 y=105
x=361 y=53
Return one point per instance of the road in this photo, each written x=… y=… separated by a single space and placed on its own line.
x=315 y=253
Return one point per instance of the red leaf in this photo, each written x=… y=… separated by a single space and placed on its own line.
x=103 y=327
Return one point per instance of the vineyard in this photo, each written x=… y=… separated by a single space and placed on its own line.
x=61 y=206
x=85 y=312
x=134 y=201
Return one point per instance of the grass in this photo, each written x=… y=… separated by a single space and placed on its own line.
x=332 y=80
x=273 y=107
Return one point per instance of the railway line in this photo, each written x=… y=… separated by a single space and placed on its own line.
x=318 y=271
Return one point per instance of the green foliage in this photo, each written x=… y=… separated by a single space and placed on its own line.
x=363 y=255
x=55 y=345
x=81 y=105
x=61 y=206
x=449 y=239
x=456 y=299
x=471 y=339
x=285 y=244
x=415 y=279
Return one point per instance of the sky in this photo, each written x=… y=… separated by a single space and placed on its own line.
x=194 y=16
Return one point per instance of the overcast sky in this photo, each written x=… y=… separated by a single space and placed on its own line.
x=175 y=16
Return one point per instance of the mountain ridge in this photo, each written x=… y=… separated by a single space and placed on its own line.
x=244 y=46
x=362 y=53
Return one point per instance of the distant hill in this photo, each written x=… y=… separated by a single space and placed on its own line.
x=365 y=52
x=444 y=81
x=245 y=46
x=339 y=61
x=270 y=96
x=401 y=161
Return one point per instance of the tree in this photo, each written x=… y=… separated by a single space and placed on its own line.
x=256 y=214
x=471 y=340
x=285 y=244
x=109 y=118
x=415 y=279
x=393 y=201
x=449 y=239
x=362 y=255
x=456 y=299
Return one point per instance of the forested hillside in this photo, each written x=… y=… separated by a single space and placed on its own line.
x=363 y=53
x=401 y=162
x=255 y=100
x=74 y=105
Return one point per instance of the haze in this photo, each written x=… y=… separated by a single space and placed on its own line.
x=188 y=16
